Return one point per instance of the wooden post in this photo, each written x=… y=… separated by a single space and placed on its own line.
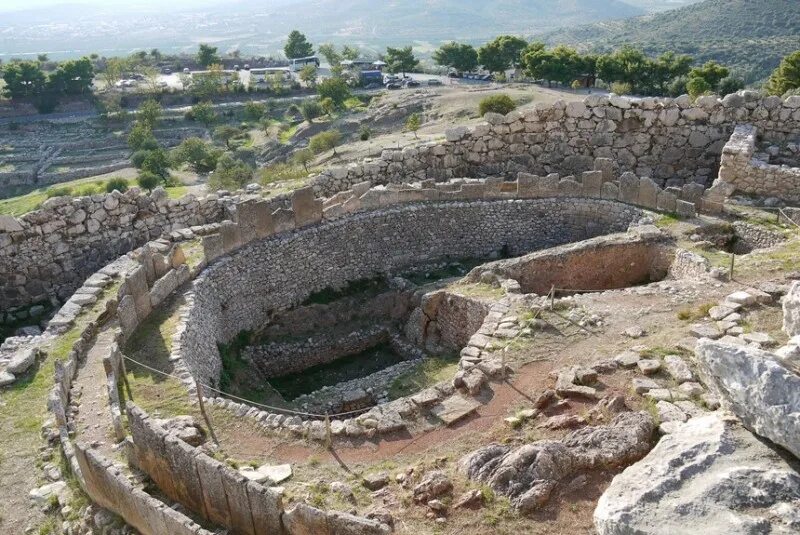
x=552 y=296
x=733 y=261
x=204 y=413
x=328 y=437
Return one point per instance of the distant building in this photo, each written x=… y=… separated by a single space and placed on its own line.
x=363 y=64
x=371 y=77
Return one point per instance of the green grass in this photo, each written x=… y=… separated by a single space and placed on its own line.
x=287 y=133
x=667 y=220
x=431 y=371
x=477 y=289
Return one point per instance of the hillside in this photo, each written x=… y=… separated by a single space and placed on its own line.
x=749 y=35
x=255 y=26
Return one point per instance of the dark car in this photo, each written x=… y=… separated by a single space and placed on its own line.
x=453 y=75
x=434 y=81
x=393 y=85
x=411 y=83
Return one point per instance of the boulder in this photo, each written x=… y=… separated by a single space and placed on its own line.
x=763 y=394
x=23 y=359
x=791 y=310
x=707 y=476
x=529 y=474
x=433 y=485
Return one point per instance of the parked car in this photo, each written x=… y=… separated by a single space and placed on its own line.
x=411 y=83
x=237 y=68
x=186 y=71
x=453 y=75
x=390 y=79
x=166 y=70
x=246 y=66
x=393 y=85
x=434 y=81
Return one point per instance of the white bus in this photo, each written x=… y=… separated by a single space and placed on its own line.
x=299 y=63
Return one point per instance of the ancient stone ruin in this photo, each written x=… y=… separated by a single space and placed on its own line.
x=301 y=317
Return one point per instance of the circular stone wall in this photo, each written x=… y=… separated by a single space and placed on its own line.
x=239 y=292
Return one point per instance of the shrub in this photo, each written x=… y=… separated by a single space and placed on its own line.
x=697 y=87
x=203 y=112
x=621 y=88
x=334 y=88
x=501 y=104
x=157 y=162
x=255 y=111
x=303 y=157
x=199 y=154
x=138 y=158
x=230 y=174
x=140 y=136
x=364 y=133
x=148 y=181
x=281 y=172
x=118 y=184
x=310 y=110
x=729 y=85
x=62 y=191
x=576 y=84
x=325 y=141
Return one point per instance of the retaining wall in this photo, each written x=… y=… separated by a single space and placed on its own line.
x=673 y=141
x=746 y=173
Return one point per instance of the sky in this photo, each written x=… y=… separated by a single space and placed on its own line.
x=15 y=5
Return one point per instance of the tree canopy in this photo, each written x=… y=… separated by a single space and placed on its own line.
x=504 y=52
x=460 y=56
x=207 y=55
x=400 y=60
x=297 y=46
x=787 y=76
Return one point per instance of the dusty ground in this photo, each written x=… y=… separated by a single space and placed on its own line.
x=655 y=308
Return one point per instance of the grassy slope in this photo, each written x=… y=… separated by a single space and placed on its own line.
x=751 y=36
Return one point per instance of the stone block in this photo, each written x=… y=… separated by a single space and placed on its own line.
x=136 y=282
x=685 y=209
x=569 y=188
x=527 y=186
x=666 y=201
x=605 y=166
x=648 y=193
x=213 y=247
x=231 y=237
x=592 y=183
x=126 y=313
x=216 y=505
x=629 y=188
x=609 y=191
x=548 y=185
x=307 y=209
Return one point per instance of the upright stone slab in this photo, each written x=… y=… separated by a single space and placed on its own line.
x=592 y=183
x=283 y=220
x=692 y=193
x=527 y=186
x=648 y=193
x=246 y=220
x=231 y=237
x=568 y=187
x=307 y=209
x=213 y=247
x=136 y=282
x=609 y=191
x=126 y=312
x=548 y=186
x=685 y=209
x=606 y=167
x=666 y=201
x=629 y=188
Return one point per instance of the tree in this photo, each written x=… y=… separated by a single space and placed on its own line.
x=310 y=110
x=697 y=86
x=328 y=106
x=328 y=51
x=141 y=137
x=200 y=155
x=303 y=157
x=203 y=112
x=113 y=71
x=413 y=124
x=712 y=72
x=148 y=181
x=230 y=173
x=504 y=52
x=729 y=85
x=209 y=83
x=562 y=64
x=335 y=89
x=787 y=76
x=325 y=141
x=157 y=162
x=501 y=104
x=255 y=111
x=666 y=68
x=308 y=75
x=23 y=79
x=350 y=52
x=155 y=54
x=400 y=60
x=73 y=77
x=226 y=133
x=151 y=78
x=207 y=55
x=42 y=58
x=117 y=184
x=149 y=113
x=628 y=65
x=297 y=46
x=461 y=57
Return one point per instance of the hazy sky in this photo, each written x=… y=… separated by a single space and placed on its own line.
x=8 y=5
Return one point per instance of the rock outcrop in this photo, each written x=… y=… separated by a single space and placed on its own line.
x=791 y=310
x=710 y=476
x=529 y=474
x=757 y=388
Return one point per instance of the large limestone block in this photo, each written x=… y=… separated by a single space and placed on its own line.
x=709 y=476
x=791 y=310
x=762 y=393
x=307 y=209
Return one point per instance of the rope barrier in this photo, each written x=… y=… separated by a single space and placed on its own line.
x=261 y=405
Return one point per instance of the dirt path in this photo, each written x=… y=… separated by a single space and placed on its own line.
x=93 y=420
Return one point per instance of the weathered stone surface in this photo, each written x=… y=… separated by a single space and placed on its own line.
x=764 y=394
x=528 y=475
x=791 y=310
x=707 y=476
x=454 y=408
x=678 y=369
x=433 y=485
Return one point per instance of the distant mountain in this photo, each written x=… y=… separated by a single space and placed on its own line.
x=749 y=35
x=260 y=26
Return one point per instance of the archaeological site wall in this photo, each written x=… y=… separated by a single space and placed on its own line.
x=242 y=290
x=672 y=141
